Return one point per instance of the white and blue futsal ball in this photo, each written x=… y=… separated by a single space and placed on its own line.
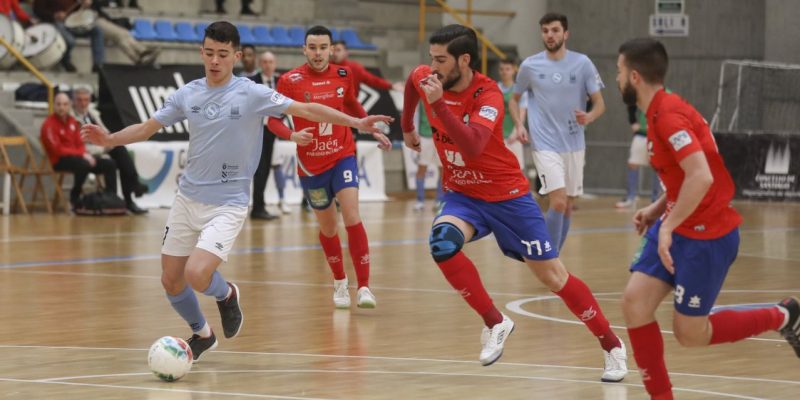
x=170 y=358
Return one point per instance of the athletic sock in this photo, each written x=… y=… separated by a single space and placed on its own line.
x=358 y=244
x=333 y=253
x=464 y=278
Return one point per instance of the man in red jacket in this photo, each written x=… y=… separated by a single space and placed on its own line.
x=62 y=141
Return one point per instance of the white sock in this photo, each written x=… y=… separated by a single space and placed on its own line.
x=786 y=317
x=205 y=331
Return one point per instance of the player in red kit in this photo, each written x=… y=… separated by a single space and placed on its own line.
x=693 y=234
x=487 y=193
x=326 y=160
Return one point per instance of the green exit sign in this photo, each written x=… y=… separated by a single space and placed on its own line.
x=669 y=6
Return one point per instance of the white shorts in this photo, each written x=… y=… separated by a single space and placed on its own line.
x=517 y=149
x=427 y=153
x=212 y=228
x=560 y=170
x=638 y=154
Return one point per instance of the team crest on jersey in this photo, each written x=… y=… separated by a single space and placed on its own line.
x=680 y=139
x=557 y=77
x=339 y=91
x=211 y=110
x=488 y=112
x=342 y=72
x=307 y=96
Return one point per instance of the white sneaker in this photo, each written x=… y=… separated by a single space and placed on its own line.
x=365 y=298
x=284 y=207
x=419 y=206
x=626 y=203
x=493 y=348
x=485 y=335
x=616 y=364
x=341 y=297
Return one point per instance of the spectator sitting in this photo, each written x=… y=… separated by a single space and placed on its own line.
x=137 y=52
x=55 y=12
x=128 y=176
x=61 y=138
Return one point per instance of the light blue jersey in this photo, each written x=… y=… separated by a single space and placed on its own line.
x=555 y=90
x=225 y=136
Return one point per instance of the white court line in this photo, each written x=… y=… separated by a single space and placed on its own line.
x=422 y=373
x=516 y=307
x=142 y=388
x=380 y=358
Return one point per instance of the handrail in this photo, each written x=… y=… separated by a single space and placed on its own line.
x=455 y=13
x=24 y=61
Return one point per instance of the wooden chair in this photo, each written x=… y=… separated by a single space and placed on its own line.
x=18 y=173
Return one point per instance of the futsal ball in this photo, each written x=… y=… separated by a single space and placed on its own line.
x=170 y=358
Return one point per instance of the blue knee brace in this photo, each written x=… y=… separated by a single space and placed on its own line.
x=446 y=241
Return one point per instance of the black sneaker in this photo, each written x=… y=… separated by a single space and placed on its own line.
x=200 y=345
x=231 y=313
x=791 y=331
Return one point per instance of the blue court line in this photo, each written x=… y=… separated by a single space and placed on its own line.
x=280 y=249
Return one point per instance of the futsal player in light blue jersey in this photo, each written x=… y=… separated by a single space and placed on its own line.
x=225 y=115
x=559 y=83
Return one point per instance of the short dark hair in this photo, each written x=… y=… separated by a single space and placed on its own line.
x=551 y=17
x=459 y=40
x=646 y=56
x=249 y=46
x=318 y=30
x=341 y=42
x=223 y=32
x=509 y=61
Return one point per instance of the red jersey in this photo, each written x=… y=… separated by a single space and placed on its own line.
x=334 y=88
x=674 y=131
x=7 y=6
x=362 y=75
x=61 y=138
x=493 y=176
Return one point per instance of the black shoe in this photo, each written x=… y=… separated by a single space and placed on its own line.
x=139 y=189
x=248 y=11
x=262 y=214
x=135 y=209
x=69 y=66
x=791 y=331
x=231 y=313
x=200 y=345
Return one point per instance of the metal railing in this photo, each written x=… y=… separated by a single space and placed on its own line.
x=33 y=70
x=466 y=20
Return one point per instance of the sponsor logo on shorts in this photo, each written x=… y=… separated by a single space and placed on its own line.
x=680 y=139
x=694 y=302
x=318 y=197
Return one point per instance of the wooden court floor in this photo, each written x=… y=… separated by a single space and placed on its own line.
x=82 y=302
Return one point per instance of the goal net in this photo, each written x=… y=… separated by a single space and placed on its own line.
x=756 y=96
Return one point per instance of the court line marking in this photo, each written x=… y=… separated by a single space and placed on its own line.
x=427 y=373
x=143 y=388
x=387 y=358
x=516 y=307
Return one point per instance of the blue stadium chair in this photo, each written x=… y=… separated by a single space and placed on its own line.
x=281 y=36
x=262 y=36
x=200 y=28
x=336 y=34
x=354 y=42
x=186 y=32
x=165 y=31
x=297 y=35
x=245 y=34
x=143 y=30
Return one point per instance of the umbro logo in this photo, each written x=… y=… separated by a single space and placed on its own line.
x=218 y=245
x=196 y=110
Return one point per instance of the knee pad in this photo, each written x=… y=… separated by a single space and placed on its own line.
x=446 y=241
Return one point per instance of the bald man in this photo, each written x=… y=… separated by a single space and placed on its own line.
x=269 y=77
x=62 y=141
